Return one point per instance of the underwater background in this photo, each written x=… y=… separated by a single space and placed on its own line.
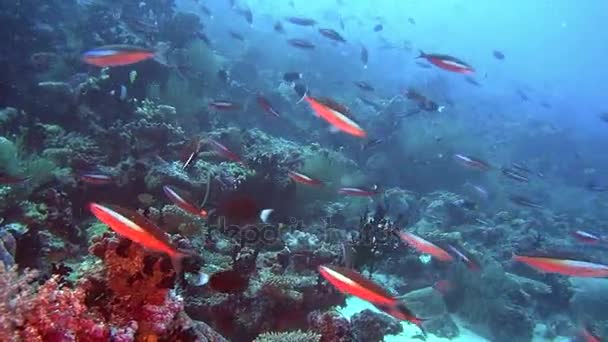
x=290 y=170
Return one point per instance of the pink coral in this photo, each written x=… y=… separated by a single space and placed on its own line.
x=157 y=318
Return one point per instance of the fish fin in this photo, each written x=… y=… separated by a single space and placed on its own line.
x=265 y=215
x=333 y=129
x=178 y=257
x=161 y=55
x=421 y=54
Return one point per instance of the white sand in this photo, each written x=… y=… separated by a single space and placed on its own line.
x=355 y=305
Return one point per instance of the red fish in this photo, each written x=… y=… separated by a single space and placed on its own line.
x=575 y=268
x=471 y=263
x=180 y=199
x=586 y=237
x=335 y=118
x=354 y=191
x=117 y=55
x=223 y=151
x=353 y=283
x=139 y=229
x=424 y=246
x=449 y=63
x=190 y=152
x=589 y=336
x=8 y=179
x=472 y=163
x=300 y=178
x=93 y=178
x=267 y=107
x=224 y=105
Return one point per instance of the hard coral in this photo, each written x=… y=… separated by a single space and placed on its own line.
x=371 y=326
x=292 y=336
x=331 y=326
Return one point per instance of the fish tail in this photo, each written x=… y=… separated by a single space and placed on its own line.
x=161 y=55
x=421 y=54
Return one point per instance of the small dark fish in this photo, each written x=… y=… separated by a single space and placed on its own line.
x=292 y=76
x=525 y=202
x=301 y=43
x=206 y=11
x=510 y=173
x=202 y=36
x=592 y=186
x=371 y=144
x=521 y=168
x=522 y=95
x=230 y=281
x=411 y=21
x=246 y=13
x=223 y=75
x=225 y=105
x=236 y=36
x=472 y=81
x=278 y=27
x=371 y=103
x=364 y=86
x=498 y=55
x=301 y=21
x=332 y=34
x=472 y=163
x=378 y=28
x=364 y=56
x=267 y=106
x=448 y=63
x=423 y=65
x=6 y=179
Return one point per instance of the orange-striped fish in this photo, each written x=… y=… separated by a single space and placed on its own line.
x=181 y=199
x=575 y=268
x=139 y=229
x=351 y=282
x=424 y=246
x=336 y=118
x=117 y=55
x=304 y=179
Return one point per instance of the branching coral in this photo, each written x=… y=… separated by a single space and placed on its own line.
x=16 y=298
x=292 y=336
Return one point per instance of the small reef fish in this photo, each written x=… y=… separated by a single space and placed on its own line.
x=223 y=150
x=575 y=268
x=303 y=179
x=94 y=178
x=301 y=90
x=364 y=56
x=471 y=263
x=236 y=36
x=190 y=152
x=592 y=186
x=352 y=283
x=446 y=62
x=335 y=118
x=181 y=199
x=332 y=34
x=301 y=43
x=514 y=175
x=278 y=27
x=117 y=55
x=586 y=237
x=224 y=105
x=267 y=106
x=424 y=246
x=292 y=76
x=6 y=179
x=498 y=55
x=301 y=21
x=246 y=13
x=139 y=229
x=364 y=86
x=472 y=163
x=525 y=202
x=360 y=192
x=479 y=190
x=378 y=28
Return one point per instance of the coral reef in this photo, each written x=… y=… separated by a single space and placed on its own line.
x=371 y=326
